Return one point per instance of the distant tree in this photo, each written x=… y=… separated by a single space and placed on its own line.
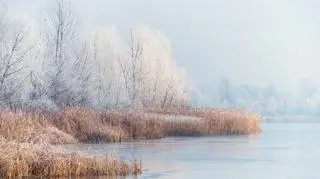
x=306 y=89
x=225 y=92
x=268 y=92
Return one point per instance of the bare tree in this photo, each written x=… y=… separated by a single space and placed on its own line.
x=175 y=93
x=106 y=74
x=157 y=81
x=81 y=74
x=132 y=66
x=135 y=64
x=60 y=35
x=104 y=82
x=13 y=51
x=149 y=71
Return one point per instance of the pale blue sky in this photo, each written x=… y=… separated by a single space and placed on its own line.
x=250 y=41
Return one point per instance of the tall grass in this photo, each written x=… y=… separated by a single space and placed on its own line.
x=107 y=126
x=211 y=122
x=42 y=160
x=86 y=126
x=26 y=150
x=32 y=128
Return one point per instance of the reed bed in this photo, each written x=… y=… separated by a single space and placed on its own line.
x=116 y=126
x=73 y=125
x=27 y=139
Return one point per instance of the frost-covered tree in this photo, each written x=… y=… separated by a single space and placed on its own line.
x=105 y=51
x=55 y=67
x=151 y=76
x=133 y=66
x=66 y=61
x=13 y=51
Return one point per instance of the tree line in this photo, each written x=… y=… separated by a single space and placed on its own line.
x=50 y=65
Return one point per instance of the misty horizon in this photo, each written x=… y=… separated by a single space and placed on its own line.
x=251 y=42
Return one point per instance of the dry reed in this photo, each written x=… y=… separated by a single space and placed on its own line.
x=211 y=122
x=26 y=138
x=73 y=125
x=43 y=160
x=116 y=126
x=26 y=127
x=107 y=126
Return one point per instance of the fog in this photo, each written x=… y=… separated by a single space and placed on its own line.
x=250 y=42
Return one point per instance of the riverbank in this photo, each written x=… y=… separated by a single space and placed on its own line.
x=28 y=139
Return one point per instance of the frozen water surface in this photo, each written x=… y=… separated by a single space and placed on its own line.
x=283 y=150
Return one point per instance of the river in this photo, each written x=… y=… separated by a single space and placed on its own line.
x=282 y=150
